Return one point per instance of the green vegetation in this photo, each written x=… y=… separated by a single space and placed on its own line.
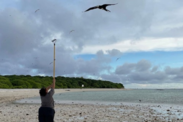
x=27 y=81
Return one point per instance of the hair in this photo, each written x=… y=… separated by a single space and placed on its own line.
x=42 y=91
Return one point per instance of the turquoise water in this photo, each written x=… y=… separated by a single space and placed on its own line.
x=159 y=96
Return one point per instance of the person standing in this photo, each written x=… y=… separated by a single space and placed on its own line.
x=46 y=111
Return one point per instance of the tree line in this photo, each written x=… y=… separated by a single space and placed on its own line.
x=27 y=81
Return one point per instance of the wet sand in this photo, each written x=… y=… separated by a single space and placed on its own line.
x=79 y=112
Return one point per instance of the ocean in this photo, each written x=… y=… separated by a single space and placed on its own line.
x=147 y=96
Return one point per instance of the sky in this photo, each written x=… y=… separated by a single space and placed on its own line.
x=139 y=43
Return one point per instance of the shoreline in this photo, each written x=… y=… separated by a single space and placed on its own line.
x=9 y=95
x=79 y=112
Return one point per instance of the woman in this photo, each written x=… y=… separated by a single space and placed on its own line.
x=46 y=111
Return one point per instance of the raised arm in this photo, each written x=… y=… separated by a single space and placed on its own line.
x=52 y=85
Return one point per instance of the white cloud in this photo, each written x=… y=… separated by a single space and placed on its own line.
x=129 y=74
x=147 y=44
x=156 y=86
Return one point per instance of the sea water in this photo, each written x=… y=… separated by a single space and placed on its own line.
x=149 y=96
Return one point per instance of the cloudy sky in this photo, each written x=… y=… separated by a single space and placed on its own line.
x=139 y=43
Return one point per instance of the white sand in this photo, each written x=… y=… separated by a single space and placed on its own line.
x=77 y=112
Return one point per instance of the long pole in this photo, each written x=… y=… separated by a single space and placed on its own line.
x=54 y=40
x=54 y=63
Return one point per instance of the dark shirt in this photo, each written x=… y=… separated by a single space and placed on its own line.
x=47 y=101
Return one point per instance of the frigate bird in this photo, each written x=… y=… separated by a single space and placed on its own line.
x=71 y=31
x=36 y=10
x=54 y=40
x=118 y=58
x=100 y=7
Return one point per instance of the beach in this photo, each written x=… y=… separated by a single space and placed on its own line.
x=79 y=112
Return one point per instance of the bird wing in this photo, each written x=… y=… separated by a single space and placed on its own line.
x=91 y=8
x=71 y=31
x=36 y=10
x=117 y=59
x=108 y=4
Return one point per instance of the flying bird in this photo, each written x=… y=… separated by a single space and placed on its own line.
x=118 y=58
x=54 y=40
x=36 y=10
x=71 y=31
x=100 y=7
